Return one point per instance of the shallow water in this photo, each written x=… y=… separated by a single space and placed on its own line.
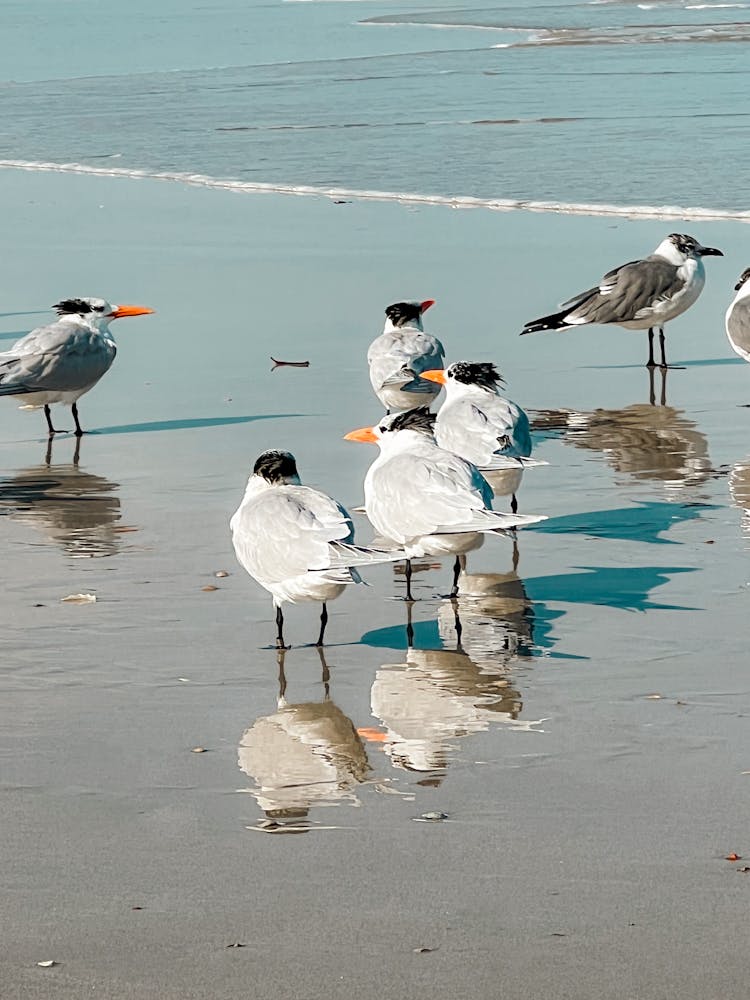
x=620 y=104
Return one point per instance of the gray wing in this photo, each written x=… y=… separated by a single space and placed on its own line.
x=431 y=495
x=286 y=532
x=738 y=327
x=626 y=293
x=483 y=433
x=58 y=357
x=395 y=352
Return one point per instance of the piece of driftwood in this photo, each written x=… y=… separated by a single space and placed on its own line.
x=289 y=364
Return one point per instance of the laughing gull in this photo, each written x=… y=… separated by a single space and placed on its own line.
x=737 y=320
x=641 y=295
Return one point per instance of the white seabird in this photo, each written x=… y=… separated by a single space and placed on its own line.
x=400 y=354
x=296 y=541
x=641 y=295
x=60 y=362
x=737 y=319
x=423 y=498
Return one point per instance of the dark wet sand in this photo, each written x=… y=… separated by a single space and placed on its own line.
x=583 y=854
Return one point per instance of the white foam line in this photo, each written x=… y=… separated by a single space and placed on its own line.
x=404 y=198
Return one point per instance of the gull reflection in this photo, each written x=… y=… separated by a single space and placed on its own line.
x=739 y=490
x=304 y=754
x=644 y=441
x=77 y=510
x=439 y=695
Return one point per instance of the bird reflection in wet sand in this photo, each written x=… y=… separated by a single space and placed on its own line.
x=439 y=695
x=647 y=441
x=739 y=489
x=77 y=510
x=303 y=755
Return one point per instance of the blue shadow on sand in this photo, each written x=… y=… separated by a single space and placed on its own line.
x=189 y=423
x=643 y=523
x=625 y=588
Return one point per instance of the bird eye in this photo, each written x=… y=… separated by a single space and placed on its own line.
x=98 y=309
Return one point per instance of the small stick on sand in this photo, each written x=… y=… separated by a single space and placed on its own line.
x=289 y=364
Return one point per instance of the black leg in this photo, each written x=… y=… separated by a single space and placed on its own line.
x=456 y=574
x=407 y=573
x=651 y=363
x=279 y=629
x=457 y=625
x=74 y=410
x=282 y=675
x=514 y=504
x=663 y=353
x=48 y=415
x=323 y=623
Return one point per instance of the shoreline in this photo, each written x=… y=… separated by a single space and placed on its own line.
x=645 y=212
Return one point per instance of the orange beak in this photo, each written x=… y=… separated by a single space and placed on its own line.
x=364 y=434
x=121 y=311
x=426 y=304
x=434 y=375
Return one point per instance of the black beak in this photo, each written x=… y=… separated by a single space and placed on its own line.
x=710 y=252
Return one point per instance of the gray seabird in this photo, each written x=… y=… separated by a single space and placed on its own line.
x=641 y=295
x=738 y=317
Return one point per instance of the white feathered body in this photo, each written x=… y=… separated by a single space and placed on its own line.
x=284 y=537
x=419 y=494
x=57 y=363
x=396 y=359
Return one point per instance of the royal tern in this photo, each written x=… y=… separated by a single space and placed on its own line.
x=296 y=541
x=59 y=362
x=425 y=498
x=400 y=354
x=738 y=317
x=641 y=295
x=481 y=425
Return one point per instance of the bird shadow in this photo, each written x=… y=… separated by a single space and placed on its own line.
x=642 y=523
x=695 y=363
x=188 y=423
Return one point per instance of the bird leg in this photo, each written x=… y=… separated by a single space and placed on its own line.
x=282 y=675
x=280 y=629
x=52 y=430
x=323 y=623
x=664 y=364
x=651 y=363
x=74 y=411
x=407 y=574
x=456 y=574
x=457 y=625
x=326 y=674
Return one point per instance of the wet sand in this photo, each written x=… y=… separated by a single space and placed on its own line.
x=587 y=822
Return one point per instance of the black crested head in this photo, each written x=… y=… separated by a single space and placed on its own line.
x=419 y=419
x=71 y=307
x=743 y=278
x=685 y=244
x=275 y=466
x=403 y=312
x=481 y=373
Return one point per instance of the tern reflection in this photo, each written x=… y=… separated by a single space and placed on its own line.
x=304 y=754
x=439 y=695
x=739 y=490
x=644 y=441
x=77 y=510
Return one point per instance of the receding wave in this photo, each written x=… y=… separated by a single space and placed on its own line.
x=629 y=34
x=402 y=197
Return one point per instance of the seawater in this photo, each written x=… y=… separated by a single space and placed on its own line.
x=572 y=106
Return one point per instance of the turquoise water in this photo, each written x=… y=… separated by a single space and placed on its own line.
x=611 y=103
